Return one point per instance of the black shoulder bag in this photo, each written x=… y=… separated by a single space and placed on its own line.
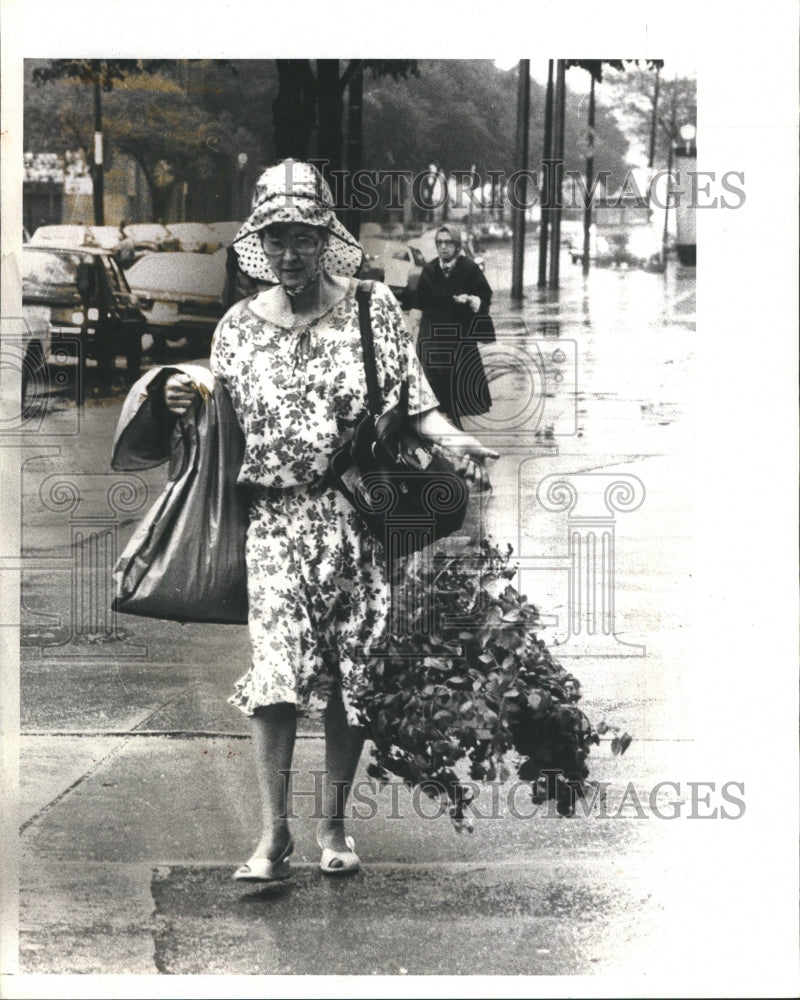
x=404 y=489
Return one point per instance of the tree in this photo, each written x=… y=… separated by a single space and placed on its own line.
x=305 y=100
x=294 y=110
x=100 y=74
x=633 y=97
x=189 y=113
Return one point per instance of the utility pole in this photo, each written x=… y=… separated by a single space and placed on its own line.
x=355 y=97
x=670 y=186
x=558 y=173
x=518 y=214
x=587 y=209
x=97 y=169
x=544 y=180
x=651 y=158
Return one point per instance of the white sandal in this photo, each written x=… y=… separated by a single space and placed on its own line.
x=264 y=870
x=339 y=862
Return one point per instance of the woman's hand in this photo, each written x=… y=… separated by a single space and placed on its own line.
x=468 y=300
x=472 y=453
x=179 y=393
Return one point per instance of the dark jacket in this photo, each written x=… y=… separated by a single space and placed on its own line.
x=450 y=333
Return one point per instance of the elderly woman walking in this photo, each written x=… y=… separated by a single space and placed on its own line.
x=455 y=297
x=290 y=357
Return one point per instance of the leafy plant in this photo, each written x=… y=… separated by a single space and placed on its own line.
x=467 y=683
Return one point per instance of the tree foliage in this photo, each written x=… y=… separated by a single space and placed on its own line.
x=201 y=115
x=189 y=113
x=457 y=113
x=632 y=96
x=594 y=67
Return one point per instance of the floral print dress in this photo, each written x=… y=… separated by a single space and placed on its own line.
x=317 y=582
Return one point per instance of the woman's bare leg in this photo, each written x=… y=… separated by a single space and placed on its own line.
x=343 y=745
x=273 y=730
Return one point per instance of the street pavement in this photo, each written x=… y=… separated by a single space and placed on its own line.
x=137 y=792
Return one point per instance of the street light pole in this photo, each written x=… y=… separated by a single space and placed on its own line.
x=587 y=211
x=652 y=156
x=518 y=213
x=670 y=146
x=544 y=180
x=557 y=173
x=97 y=171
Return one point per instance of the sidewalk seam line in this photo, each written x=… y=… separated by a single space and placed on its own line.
x=78 y=781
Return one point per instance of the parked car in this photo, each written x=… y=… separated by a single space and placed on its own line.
x=397 y=264
x=195 y=237
x=426 y=246
x=623 y=235
x=182 y=296
x=106 y=237
x=112 y=238
x=571 y=228
x=151 y=237
x=82 y=294
x=495 y=231
x=35 y=336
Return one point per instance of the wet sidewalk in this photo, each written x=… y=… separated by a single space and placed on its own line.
x=138 y=797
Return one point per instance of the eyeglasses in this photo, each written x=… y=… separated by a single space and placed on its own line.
x=445 y=243
x=300 y=244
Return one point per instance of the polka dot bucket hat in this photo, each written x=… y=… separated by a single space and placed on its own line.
x=293 y=191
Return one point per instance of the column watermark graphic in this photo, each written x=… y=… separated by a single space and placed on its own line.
x=591 y=501
x=91 y=508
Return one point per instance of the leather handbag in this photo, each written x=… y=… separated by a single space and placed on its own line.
x=406 y=491
x=185 y=561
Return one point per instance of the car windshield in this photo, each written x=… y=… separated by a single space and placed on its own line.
x=72 y=236
x=196 y=274
x=44 y=271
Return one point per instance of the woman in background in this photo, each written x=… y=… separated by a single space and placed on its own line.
x=454 y=297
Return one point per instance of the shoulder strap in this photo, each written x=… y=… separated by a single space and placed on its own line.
x=363 y=296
